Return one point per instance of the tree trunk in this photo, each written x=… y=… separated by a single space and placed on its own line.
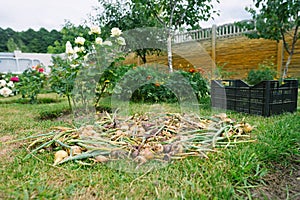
x=142 y=55
x=290 y=51
x=144 y=59
x=170 y=59
x=69 y=101
x=285 y=70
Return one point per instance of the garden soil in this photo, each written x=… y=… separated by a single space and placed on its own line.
x=282 y=182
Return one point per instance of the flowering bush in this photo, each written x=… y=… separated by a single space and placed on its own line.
x=7 y=86
x=15 y=79
x=86 y=61
x=153 y=86
x=31 y=82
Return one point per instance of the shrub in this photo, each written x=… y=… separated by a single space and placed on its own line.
x=264 y=72
x=31 y=82
x=152 y=86
x=110 y=77
x=62 y=77
x=222 y=73
x=52 y=113
x=77 y=76
x=7 y=84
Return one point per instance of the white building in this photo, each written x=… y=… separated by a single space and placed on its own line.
x=17 y=61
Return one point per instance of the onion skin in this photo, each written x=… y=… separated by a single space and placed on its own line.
x=76 y=150
x=167 y=148
x=101 y=159
x=140 y=159
x=147 y=153
x=59 y=156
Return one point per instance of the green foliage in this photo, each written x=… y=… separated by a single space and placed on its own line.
x=90 y=68
x=198 y=83
x=56 y=48
x=62 y=77
x=53 y=112
x=110 y=77
x=155 y=85
x=273 y=19
x=137 y=15
x=68 y=33
x=176 y=13
x=31 y=82
x=134 y=22
x=276 y=20
x=27 y=41
x=264 y=72
x=222 y=73
x=11 y=45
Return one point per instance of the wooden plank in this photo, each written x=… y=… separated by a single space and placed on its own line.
x=240 y=54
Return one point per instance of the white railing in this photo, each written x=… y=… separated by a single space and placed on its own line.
x=195 y=35
x=226 y=30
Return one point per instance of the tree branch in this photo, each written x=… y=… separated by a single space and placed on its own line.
x=286 y=47
x=172 y=13
x=182 y=16
x=156 y=15
x=295 y=38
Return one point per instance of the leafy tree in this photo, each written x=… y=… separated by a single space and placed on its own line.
x=56 y=48
x=174 y=14
x=68 y=33
x=168 y=14
x=277 y=20
x=28 y=41
x=5 y=34
x=11 y=45
x=128 y=17
x=3 y=40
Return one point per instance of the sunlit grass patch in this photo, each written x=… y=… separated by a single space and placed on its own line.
x=227 y=174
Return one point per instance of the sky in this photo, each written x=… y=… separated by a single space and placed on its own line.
x=52 y=14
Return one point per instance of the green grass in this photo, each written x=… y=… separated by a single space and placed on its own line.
x=229 y=174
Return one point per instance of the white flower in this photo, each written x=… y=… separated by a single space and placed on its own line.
x=69 y=49
x=121 y=41
x=115 y=32
x=75 y=56
x=79 y=49
x=99 y=40
x=95 y=29
x=73 y=66
x=2 y=83
x=5 y=92
x=76 y=49
x=108 y=43
x=10 y=84
x=79 y=40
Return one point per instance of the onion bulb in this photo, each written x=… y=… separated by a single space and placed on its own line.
x=101 y=159
x=59 y=156
x=147 y=153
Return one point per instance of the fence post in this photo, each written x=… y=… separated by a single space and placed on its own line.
x=213 y=42
x=279 y=57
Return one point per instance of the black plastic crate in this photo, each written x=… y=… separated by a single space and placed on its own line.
x=265 y=98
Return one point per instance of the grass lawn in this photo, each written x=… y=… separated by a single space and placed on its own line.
x=268 y=168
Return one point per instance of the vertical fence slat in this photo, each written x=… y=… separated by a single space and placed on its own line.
x=225 y=30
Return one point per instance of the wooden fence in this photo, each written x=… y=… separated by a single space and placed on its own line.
x=225 y=45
